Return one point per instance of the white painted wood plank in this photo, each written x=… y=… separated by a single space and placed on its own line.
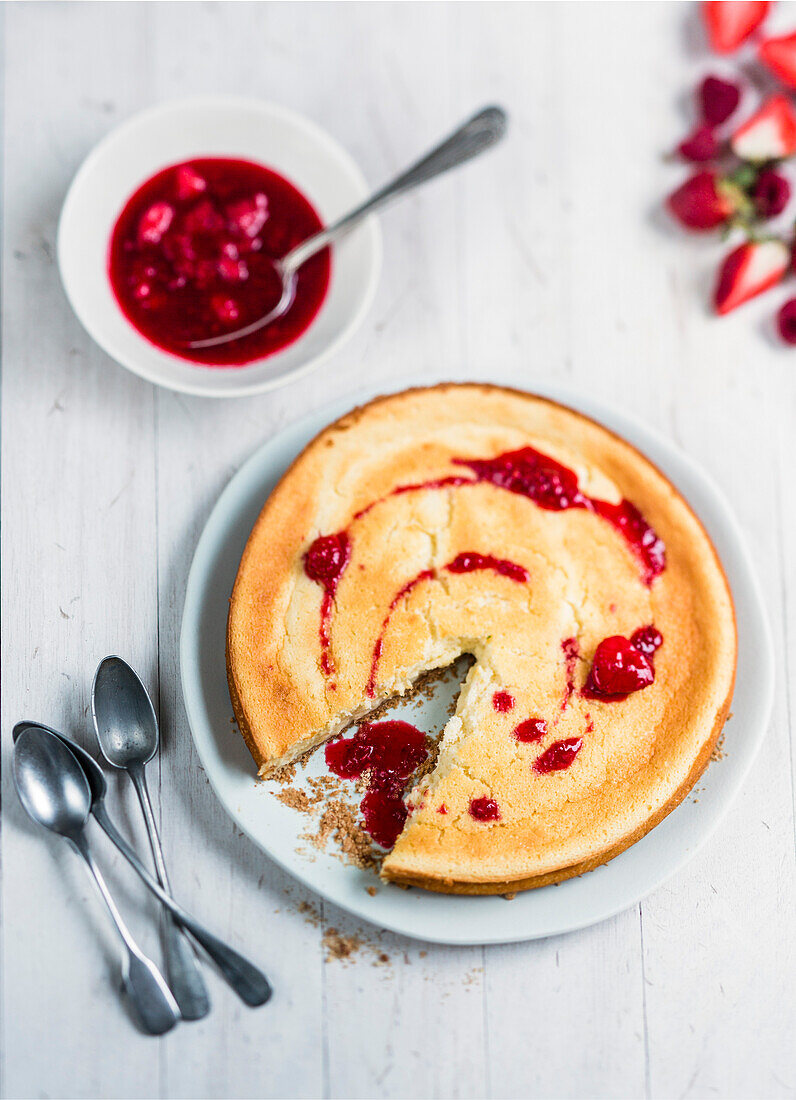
x=277 y=1050
x=576 y=279
x=565 y=1015
x=78 y=560
x=718 y=939
x=405 y=1019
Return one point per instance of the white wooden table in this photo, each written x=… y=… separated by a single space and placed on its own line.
x=547 y=259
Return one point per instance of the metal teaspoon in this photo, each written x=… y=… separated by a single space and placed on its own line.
x=474 y=136
x=127 y=731
x=249 y=983
x=55 y=793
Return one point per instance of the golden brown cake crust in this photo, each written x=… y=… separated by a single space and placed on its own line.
x=644 y=754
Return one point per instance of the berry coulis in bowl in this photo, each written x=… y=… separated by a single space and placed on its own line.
x=192 y=255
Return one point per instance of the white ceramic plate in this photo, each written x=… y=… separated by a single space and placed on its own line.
x=438 y=917
x=217 y=126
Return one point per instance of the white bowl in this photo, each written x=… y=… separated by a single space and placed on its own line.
x=214 y=126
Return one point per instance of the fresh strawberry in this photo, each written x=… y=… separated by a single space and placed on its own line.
x=750 y=269
x=770 y=134
x=770 y=193
x=786 y=322
x=779 y=54
x=702 y=202
x=700 y=146
x=718 y=99
x=189 y=182
x=730 y=22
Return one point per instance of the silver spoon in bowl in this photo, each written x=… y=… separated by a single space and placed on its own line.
x=249 y=983
x=473 y=137
x=55 y=793
x=127 y=731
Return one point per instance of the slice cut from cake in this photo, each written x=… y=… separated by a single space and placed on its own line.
x=476 y=519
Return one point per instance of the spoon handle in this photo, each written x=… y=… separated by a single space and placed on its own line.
x=473 y=137
x=249 y=983
x=182 y=966
x=156 y=1008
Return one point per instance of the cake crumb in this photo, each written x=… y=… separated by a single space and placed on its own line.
x=511 y=896
x=285 y=774
x=344 y=948
x=296 y=799
x=339 y=946
x=372 y=891
x=323 y=785
x=339 y=821
x=718 y=749
x=310 y=913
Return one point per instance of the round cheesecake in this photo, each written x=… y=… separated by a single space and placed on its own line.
x=482 y=520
